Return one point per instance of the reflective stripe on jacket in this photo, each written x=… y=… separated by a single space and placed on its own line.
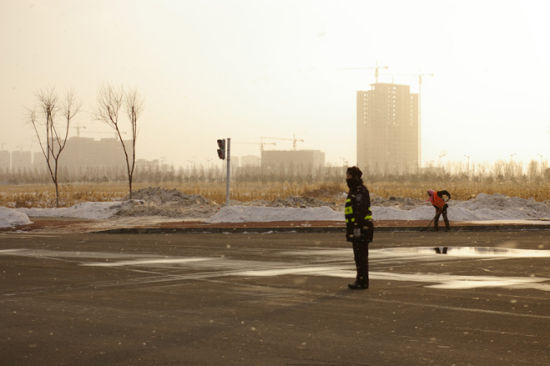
x=357 y=209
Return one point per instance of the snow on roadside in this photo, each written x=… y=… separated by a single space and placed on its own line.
x=83 y=210
x=498 y=207
x=484 y=207
x=267 y=214
x=10 y=218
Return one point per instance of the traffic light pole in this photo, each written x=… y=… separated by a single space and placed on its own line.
x=224 y=152
x=227 y=180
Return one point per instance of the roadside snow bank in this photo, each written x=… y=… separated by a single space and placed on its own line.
x=84 y=210
x=483 y=208
x=498 y=207
x=11 y=218
x=267 y=214
x=173 y=204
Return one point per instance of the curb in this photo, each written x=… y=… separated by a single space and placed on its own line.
x=217 y=230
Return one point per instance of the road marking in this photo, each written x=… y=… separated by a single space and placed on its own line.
x=497 y=332
x=140 y=262
x=456 y=308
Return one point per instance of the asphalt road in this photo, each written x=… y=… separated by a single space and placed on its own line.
x=274 y=299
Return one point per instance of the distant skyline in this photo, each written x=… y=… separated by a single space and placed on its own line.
x=250 y=68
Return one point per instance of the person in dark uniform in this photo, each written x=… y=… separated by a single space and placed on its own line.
x=440 y=205
x=359 y=226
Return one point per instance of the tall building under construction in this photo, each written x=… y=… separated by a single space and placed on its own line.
x=388 y=129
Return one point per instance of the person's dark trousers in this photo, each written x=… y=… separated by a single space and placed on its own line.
x=438 y=213
x=361 y=256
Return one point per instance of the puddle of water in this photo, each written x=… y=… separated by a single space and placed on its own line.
x=344 y=267
x=448 y=281
x=491 y=252
x=495 y=252
x=440 y=281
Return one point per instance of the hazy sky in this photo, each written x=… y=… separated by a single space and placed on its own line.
x=250 y=68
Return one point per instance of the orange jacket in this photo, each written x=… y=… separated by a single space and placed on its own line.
x=436 y=200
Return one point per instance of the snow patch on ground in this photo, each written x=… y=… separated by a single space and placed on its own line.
x=10 y=218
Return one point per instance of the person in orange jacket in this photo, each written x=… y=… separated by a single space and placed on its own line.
x=440 y=205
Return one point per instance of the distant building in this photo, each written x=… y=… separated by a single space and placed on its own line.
x=292 y=159
x=85 y=153
x=38 y=160
x=21 y=160
x=5 y=160
x=150 y=165
x=388 y=129
x=250 y=161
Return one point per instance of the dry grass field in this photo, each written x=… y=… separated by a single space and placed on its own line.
x=43 y=195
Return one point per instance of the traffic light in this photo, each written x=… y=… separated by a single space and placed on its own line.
x=221 y=150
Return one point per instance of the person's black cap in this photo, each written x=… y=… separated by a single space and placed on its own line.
x=354 y=171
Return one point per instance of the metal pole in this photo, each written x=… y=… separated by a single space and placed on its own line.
x=228 y=171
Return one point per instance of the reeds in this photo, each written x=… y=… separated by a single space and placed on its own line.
x=255 y=183
x=43 y=195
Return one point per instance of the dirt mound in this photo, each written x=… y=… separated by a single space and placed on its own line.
x=292 y=201
x=403 y=203
x=161 y=196
x=156 y=201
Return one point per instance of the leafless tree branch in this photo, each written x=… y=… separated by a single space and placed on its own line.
x=110 y=101
x=51 y=142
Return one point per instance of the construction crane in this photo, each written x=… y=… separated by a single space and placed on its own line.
x=375 y=68
x=80 y=127
x=420 y=78
x=256 y=143
x=420 y=75
x=293 y=139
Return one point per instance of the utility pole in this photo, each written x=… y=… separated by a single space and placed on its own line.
x=228 y=171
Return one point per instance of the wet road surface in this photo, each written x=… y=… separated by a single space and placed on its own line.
x=274 y=299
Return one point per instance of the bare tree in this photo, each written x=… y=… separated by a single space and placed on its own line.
x=51 y=134
x=110 y=102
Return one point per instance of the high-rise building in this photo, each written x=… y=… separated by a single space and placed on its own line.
x=388 y=129
x=5 y=160
x=38 y=160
